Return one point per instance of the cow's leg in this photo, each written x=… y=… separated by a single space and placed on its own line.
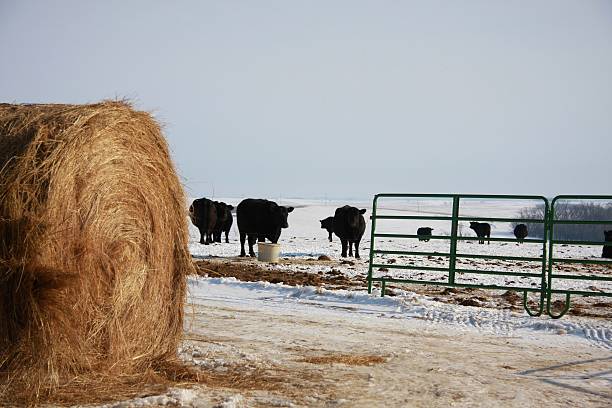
x=261 y=238
x=252 y=241
x=242 y=239
x=201 y=235
x=330 y=236
x=488 y=239
x=227 y=237
x=351 y=243
x=357 y=249
x=344 y=242
x=208 y=240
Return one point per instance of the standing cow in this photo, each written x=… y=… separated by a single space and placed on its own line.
x=260 y=220
x=203 y=214
x=328 y=224
x=227 y=225
x=424 y=233
x=482 y=229
x=520 y=232
x=607 y=250
x=349 y=226
x=224 y=221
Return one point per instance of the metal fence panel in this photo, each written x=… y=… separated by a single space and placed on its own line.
x=453 y=254
x=553 y=276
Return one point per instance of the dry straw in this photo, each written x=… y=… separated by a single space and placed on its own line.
x=93 y=250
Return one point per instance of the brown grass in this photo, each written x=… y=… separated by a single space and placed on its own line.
x=93 y=250
x=346 y=359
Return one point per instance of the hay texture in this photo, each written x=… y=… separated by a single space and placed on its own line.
x=93 y=250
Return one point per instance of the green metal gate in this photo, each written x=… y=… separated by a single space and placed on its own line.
x=544 y=279
x=553 y=276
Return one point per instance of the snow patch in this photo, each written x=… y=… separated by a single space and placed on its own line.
x=409 y=305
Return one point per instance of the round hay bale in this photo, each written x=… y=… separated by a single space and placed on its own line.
x=93 y=245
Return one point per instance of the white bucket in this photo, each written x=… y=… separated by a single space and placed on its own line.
x=267 y=252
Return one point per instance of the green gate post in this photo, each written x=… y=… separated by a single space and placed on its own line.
x=453 y=242
x=551 y=224
x=544 y=287
x=373 y=218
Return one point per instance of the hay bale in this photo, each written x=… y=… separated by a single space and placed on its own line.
x=93 y=246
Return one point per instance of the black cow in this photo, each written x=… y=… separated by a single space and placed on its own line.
x=260 y=220
x=424 y=233
x=607 y=250
x=224 y=221
x=227 y=226
x=203 y=214
x=482 y=229
x=328 y=224
x=520 y=232
x=349 y=226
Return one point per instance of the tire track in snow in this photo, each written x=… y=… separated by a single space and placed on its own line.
x=504 y=322
x=408 y=305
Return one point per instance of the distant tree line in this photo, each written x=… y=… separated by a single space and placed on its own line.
x=570 y=211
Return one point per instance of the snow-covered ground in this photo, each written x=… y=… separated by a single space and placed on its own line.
x=279 y=298
x=313 y=347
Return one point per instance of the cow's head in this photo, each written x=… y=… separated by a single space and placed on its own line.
x=353 y=216
x=474 y=225
x=279 y=214
x=195 y=208
x=608 y=235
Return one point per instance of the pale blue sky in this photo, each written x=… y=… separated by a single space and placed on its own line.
x=339 y=99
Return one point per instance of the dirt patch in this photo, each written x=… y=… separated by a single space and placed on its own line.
x=241 y=377
x=248 y=272
x=346 y=359
x=511 y=297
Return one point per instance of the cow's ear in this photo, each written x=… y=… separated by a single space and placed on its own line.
x=230 y=207
x=271 y=206
x=289 y=209
x=362 y=211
